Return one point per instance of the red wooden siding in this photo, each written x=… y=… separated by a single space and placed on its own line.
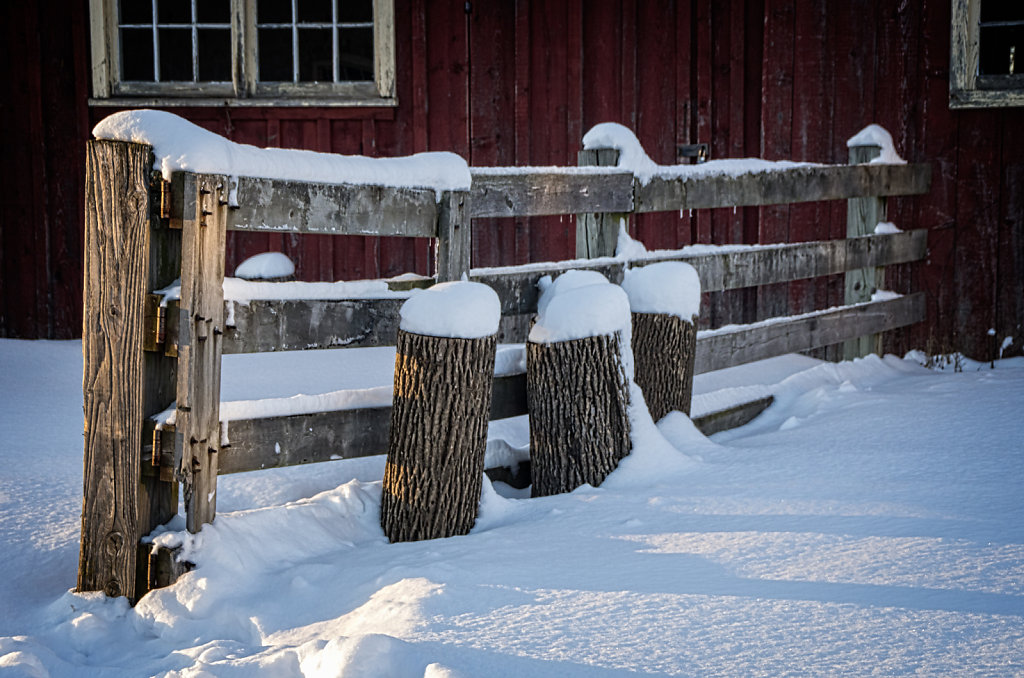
x=518 y=82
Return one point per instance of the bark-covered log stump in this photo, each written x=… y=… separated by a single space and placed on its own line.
x=664 y=347
x=578 y=388
x=442 y=399
x=665 y=301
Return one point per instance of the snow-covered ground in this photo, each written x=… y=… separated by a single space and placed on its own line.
x=870 y=522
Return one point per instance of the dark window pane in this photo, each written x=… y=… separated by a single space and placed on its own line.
x=174 y=11
x=137 y=54
x=275 y=54
x=316 y=55
x=996 y=45
x=274 y=12
x=315 y=11
x=135 y=12
x=175 y=55
x=1002 y=10
x=213 y=11
x=355 y=11
x=215 y=55
x=355 y=47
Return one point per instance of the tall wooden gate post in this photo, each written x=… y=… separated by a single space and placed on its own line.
x=862 y=215
x=129 y=251
x=201 y=330
x=598 y=234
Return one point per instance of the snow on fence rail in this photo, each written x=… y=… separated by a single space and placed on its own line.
x=142 y=354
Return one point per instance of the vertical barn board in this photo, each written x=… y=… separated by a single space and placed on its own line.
x=1010 y=265
x=492 y=116
x=65 y=124
x=350 y=251
x=977 y=232
x=24 y=303
x=704 y=82
x=199 y=344
x=862 y=215
x=684 y=113
x=602 y=54
x=753 y=40
x=776 y=134
x=241 y=246
x=523 y=94
x=549 y=236
x=420 y=81
x=656 y=106
x=813 y=109
x=116 y=244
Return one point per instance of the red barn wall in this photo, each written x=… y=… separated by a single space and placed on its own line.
x=519 y=83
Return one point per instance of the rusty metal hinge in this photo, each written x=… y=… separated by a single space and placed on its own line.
x=154 y=322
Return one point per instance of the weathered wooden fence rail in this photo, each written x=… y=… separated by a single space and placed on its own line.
x=140 y=355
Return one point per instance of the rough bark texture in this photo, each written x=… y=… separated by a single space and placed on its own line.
x=578 y=396
x=438 y=439
x=664 y=347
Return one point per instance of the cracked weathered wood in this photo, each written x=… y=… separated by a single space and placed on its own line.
x=746 y=343
x=442 y=399
x=598 y=232
x=454 y=236
x=201 y=331
x=578 y=396
x=302 y=207
x=862 y=215
x=548 y=192
x=664 y=348
x=117 y=232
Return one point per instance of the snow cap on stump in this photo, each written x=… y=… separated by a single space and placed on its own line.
x=670 y=287
x=579 y=312
x=565 y=282
x=460 y=309
x=265 y=266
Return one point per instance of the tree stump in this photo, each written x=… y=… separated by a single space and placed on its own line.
x=664 y=346
x=578 y=397
x=435 y=464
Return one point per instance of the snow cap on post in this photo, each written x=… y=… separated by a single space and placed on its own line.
x=458 y=309
x=671 y=287
x=876 y=135
x=580 y=312
x=567 y=281
x=632 y=156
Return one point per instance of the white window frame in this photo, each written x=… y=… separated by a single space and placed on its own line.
x=966 y=88
x=244 y=89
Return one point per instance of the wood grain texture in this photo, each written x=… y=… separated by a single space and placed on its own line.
x=275 y=205
x=201 y=330
x=454 y=236
x=720 y=349
x=116 y=262
x=862 y=216
x=438 y=438
x=544 y=192
x=598 y=233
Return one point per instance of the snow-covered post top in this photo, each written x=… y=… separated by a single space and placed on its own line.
x=458 y=309
x=665 y=300
x=180 y=145
x=874 y=145
x=580 y=304
x=444 y=374
x=606 y=145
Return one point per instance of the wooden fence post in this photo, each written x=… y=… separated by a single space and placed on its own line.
x=441 y=406
x=862 y=215
x=124 y=246
x=598 y=234
x=454 y=236
x=201 y=329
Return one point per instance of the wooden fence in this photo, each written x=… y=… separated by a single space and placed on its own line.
x=140 y=355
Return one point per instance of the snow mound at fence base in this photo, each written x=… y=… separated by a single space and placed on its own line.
x=878 y=532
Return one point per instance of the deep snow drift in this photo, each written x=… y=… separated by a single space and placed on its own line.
x=870 y=522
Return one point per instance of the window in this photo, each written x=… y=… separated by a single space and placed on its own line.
x=986 y=66
x=243 y=52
